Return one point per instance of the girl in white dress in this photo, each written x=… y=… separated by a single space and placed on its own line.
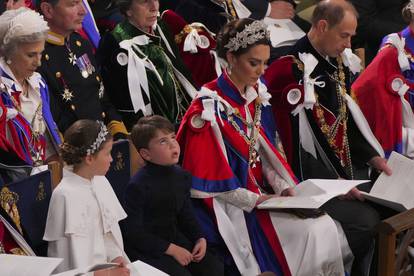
x=82 y=224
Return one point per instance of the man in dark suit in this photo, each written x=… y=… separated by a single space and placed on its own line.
x=71 y=72
x=215 y=13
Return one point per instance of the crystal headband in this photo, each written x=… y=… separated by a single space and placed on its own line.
x=103 y=132
x=250 y=35
x=410 y=6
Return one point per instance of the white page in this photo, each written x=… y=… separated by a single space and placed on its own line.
x=312 y=194
x=143 y=269
x=283 y=32
x=84 y=270
x=17 y=265
x=17 y=237
x=398 y=187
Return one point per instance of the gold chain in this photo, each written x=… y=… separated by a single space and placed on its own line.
x=330 y=132
x=254 y=131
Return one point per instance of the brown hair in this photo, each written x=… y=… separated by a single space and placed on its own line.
x=229 y=31
x=77 y=140
x=332 y=11
x=146 y=128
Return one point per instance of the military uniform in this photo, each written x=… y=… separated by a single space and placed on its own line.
x=75 y=86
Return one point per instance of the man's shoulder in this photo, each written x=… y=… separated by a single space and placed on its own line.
x=284 y=71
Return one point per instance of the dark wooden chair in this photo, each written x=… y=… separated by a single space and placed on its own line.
x=396 y=235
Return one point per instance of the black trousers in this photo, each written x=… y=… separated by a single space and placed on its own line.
x=208 y=266
x=359 y=221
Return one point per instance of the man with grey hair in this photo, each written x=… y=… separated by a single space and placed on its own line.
x=322 y=129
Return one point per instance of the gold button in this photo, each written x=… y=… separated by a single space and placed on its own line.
x=72 y=107
x=78 y=43
x=58 y=74
x=103 y=115
x=98 y=78
x=46 y=56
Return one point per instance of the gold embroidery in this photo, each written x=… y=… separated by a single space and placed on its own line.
x=41 y=194
x=330 y=132
x=2 y=250
x=231 y=9
x=298 y=63
x=18 y=251
x=120 y=163
x=8 y=201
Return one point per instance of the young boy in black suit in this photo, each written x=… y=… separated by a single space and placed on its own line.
x=161 y=228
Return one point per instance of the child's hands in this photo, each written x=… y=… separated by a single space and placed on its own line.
x=180 y=254
x=199 y=250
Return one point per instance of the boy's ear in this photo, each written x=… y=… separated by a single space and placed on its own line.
x=145 y=154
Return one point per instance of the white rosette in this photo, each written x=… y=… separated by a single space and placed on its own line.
x=194 y=40
x=305 y=130
x=400 y=87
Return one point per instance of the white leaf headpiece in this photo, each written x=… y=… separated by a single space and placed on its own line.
x=103 y=132
x=251 y=34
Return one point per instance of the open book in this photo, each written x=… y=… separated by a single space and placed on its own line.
x=312 y=194
x=397 y=190
x=143 y=269
x=17 y=265
x=137 y=268
x=283 y=32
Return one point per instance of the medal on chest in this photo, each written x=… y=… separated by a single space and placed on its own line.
x=83 y=62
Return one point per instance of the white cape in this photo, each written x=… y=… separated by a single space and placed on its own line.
x=82 y=224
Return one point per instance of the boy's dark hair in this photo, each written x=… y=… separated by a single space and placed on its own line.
x=78 y=138
x=146 y=128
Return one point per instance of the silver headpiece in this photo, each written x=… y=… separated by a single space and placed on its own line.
x=410 y=6
x=250 y=35
x=103 y=132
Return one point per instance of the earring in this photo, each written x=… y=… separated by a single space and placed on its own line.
x=8 y=61
x=229 y=69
